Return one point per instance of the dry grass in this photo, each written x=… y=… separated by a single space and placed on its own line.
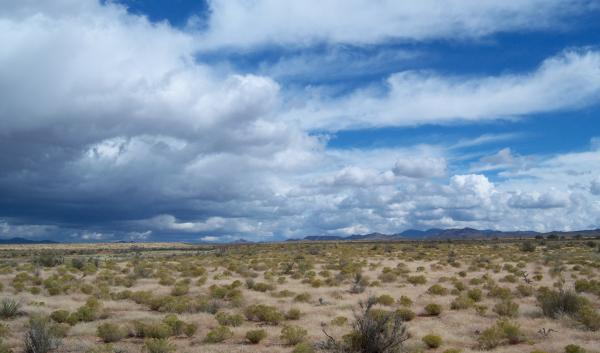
x=439 y=262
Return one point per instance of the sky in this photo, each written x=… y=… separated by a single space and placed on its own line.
x=191 y=120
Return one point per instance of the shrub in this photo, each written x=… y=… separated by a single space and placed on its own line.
x=302 y=297
x=461 y=302
x=503 y=332
x=511 y=331
x=40 y=336
x=4 y=348
x=573 y=348
x=490 y=338
x=293 y=314
x=10 y=308
x=339 y=321
x=452 y=350
x=158 y=345
x=432 y=341
x=385 y=299
x=384 y=332
x=151 y=330
x=507 y=308
x=415 y=280
x=303 y=347
x=292 y=335
x=405 y=301
x=475 y=294
x=436 y=289
x=190 y=329
x=109 y=332
x=263 y=313
x=433 y=309
x=567 y=302
x=527 y=246
x=255 y=336
x=225 y=319
x=405 y=314
x=60 y=316
x=218 y=334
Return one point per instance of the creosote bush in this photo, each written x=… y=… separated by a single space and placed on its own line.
x=255 y=336
x=218 y=334
x=432 y=341
x=372 y=331
x=292 y=335
x=110 y=332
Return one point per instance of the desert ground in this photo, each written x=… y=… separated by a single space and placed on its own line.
x=536 y=295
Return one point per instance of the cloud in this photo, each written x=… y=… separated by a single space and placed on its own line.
x=595 y=186
x=567 y=81
x=551 y=199
x=233 y=23
x=416 y=167
x=112 y=128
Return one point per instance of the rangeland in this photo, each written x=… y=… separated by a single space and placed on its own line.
x=535 y=295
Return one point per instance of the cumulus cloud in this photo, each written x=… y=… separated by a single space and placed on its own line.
x=112 y=128
x=550 y=199
x=233 y=23
x=415 y=167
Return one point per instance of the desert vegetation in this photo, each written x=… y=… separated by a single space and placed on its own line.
x=535 y=295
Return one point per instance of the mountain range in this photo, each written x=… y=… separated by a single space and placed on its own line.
x=12 y=241
x=439 y=234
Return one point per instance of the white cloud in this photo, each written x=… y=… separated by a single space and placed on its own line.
x=550 y=199
x=567 y=81
x=241 y=23
x=109 y=118
x=419 y=167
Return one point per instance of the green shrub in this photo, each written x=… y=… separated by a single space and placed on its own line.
x=416 y=280
x=507 y=308
x=405 y=314
x=41 y=336
x=503 y=332
x=158 y=345
x=475 y=294
x=174 y=324
x=226 y=319
x=109 y=332
x=303 y=347
x=190 y=329
x=385 y=299
x=255 y=336
x=372 y=331
x=292 y=335
x=218 y=334
x=433 y=309
x=461 y=302
x=5 y=348
x=573 y=348
x=490 y=338
x=405 y=301
x=452 y=350
x=263 y=313
x=302 y=297
x=437 y=289
x=432 y=341
x=60 y=316
x=10 y=308
x=339 y=321
x=293 y=314
x=151 y=330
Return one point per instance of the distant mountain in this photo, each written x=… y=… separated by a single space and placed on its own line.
x=441 y=234
x=12 y=241
x=241 y=241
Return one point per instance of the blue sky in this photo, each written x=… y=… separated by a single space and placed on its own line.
x=210 y=121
